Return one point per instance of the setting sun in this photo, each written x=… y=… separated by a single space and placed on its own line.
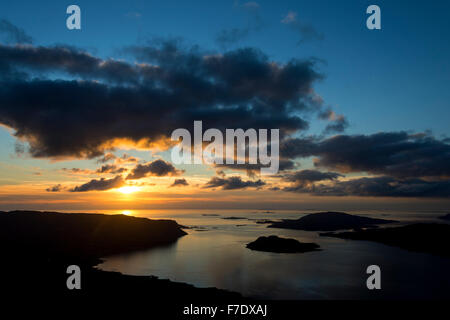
x=128 y=189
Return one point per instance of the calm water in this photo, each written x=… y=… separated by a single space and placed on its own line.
x=213 y=254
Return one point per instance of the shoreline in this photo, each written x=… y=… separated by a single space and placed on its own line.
x=46 y=243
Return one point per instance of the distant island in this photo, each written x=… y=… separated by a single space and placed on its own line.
x=446 y=217
x=281 y=245
x=329 y=221
x=37 y=247
x=422 y=237
x=263 y=221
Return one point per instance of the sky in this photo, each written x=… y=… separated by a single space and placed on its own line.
x=363 y=113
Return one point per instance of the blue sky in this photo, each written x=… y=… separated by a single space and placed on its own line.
x=388 y=80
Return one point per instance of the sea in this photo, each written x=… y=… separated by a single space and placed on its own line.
x=214 y=254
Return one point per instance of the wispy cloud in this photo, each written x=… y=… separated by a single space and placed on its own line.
x=306 y=31
x=231 y=36
x=13 y=34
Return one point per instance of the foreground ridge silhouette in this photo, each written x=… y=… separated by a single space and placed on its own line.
x=37 y=247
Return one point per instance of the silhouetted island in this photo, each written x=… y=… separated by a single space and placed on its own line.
x=281 y=245
x=422 y=237
x=446 y=217
x=37 y=248
x=328 y=221
x=263 y=221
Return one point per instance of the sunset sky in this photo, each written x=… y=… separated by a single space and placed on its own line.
x=86 y=115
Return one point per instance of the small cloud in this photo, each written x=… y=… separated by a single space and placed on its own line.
x=290 y=17
x=179 y=183
x=220 y=173
x=338 y=123
x=19 y=148
x=77 y=171
x=337 y=126
x=107 y=157
x=110 y=168
x=158 y=168
x=232 y=183
x=100 y=185
x=55 y=188
x=125 y=158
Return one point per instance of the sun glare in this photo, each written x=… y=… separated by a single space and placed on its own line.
x=126 y=212
x=128 y=189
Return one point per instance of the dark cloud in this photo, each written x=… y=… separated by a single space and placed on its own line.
x=96 y=101
x=306 y=178
x=404 y=164
x=401 y=164
x=232 y=183
x=107 y=157
x=13 y=34
x=55 y=188
x=380 y=187
x=306 y=30
x=110 y=168
x=125 y=158
x=338 y=123
x=179 y=183
x=70 y=61
x=220 y=173
x=158 y=168
x=396 y=154
x=100 y=185
x=253 y=169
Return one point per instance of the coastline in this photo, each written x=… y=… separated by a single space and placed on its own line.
x=46 y=243
x=34 y=267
